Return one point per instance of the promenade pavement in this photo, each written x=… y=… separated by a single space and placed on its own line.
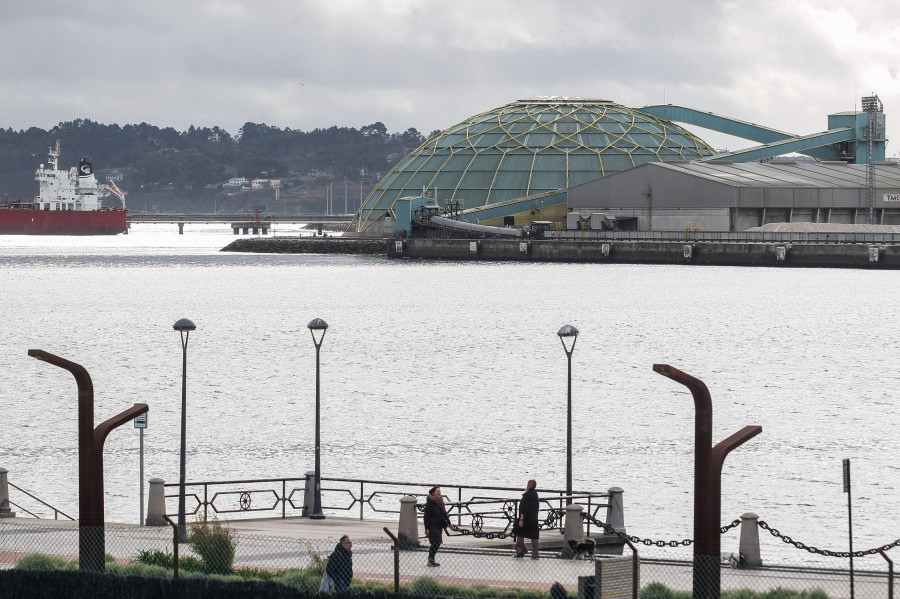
x=465 y=559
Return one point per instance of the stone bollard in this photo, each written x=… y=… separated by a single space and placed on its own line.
x=749 y=545
x=615 y=511
x=574 y=528
x=308 y=493
x=156 y=503
x=408 y=525
x=5 y=510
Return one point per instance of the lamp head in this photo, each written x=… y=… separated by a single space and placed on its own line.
x=317 y=324
x=567 y=331
x=184 y=325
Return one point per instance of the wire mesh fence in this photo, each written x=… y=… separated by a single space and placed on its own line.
x=464 y=571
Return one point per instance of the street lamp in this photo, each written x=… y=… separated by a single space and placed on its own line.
x=565 y=332
x=183 y=326
x=317 y=324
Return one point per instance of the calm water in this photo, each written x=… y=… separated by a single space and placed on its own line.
x=452 y=372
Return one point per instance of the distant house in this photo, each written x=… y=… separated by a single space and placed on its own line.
x=263 y=183
x=237 y=182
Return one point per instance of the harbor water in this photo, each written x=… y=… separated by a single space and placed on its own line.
x=452 y=372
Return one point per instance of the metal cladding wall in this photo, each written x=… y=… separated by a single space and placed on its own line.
x=671 y=196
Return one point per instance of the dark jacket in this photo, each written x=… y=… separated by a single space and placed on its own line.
x=528 y=507
x=340 y=567
x=435 y=519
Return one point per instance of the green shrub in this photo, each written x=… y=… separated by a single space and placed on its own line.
x=189 y=563
x=657 y=590
x=782 y=593
x=739 y=594
x=141 y=569
x=41 y=562
x=156 y=557
x=316 y=562
x=376 y=586
x=215 y=544
x=424 y=585
x=255 y=574
x=304 y=580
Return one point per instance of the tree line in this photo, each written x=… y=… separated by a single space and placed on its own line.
x=189 y=165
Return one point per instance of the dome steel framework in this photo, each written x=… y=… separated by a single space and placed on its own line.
x=531 y=147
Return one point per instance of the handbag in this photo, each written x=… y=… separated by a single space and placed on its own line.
x=327 y=585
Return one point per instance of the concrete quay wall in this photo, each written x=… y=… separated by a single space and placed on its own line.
x=653 y=252
x=724 y=253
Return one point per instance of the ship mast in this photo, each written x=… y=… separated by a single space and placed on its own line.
x=54 y=156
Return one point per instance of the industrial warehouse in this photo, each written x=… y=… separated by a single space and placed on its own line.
x=555 y=163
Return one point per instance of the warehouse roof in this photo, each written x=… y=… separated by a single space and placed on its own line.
x=788 y=174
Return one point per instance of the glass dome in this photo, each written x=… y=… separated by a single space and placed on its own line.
x=530 y=147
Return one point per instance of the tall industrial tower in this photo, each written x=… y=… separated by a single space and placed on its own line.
x=874 y=108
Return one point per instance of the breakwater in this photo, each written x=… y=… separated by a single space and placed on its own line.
x=309 y=245
x=723 y=253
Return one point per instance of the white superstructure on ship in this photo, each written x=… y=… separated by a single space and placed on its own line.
x=76 y=189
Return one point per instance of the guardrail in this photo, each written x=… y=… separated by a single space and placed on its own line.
x=56 y=511
x=377 y=499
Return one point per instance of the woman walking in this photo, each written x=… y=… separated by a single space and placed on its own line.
x=526 y=526
x=436 y=520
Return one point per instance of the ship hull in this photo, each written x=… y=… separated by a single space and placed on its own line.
x=62 y=222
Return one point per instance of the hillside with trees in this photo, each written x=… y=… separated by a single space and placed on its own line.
x=166 y=171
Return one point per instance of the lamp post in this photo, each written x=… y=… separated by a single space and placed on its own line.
x=183 y=326
x=565 y=332
x=317 y=324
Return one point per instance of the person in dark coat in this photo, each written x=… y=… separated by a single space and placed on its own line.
x=339 y=571
x=436 y=520
x=527 y=527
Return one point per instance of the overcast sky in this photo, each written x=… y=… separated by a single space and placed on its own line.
x=426 y=64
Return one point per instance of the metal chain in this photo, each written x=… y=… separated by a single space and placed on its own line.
x=482 y=534
x=609 y=529
x=775 y=533
x=554 y=517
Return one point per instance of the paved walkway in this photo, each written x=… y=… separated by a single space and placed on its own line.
x=335 y=528
x=468 y=560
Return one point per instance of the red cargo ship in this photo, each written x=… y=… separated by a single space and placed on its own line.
x=69 y=204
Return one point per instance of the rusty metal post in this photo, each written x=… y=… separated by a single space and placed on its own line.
x=91 y=541
x=708 y=461
x=396 y=549
x=890 y=574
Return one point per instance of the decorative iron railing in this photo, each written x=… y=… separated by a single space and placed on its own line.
x=374 y=499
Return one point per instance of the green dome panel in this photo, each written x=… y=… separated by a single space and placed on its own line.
x=530 y=147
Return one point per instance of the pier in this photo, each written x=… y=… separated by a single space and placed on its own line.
x=245 y=222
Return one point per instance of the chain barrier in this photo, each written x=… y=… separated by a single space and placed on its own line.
x=555 y=517
x=775 y=533
x=636 y=540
